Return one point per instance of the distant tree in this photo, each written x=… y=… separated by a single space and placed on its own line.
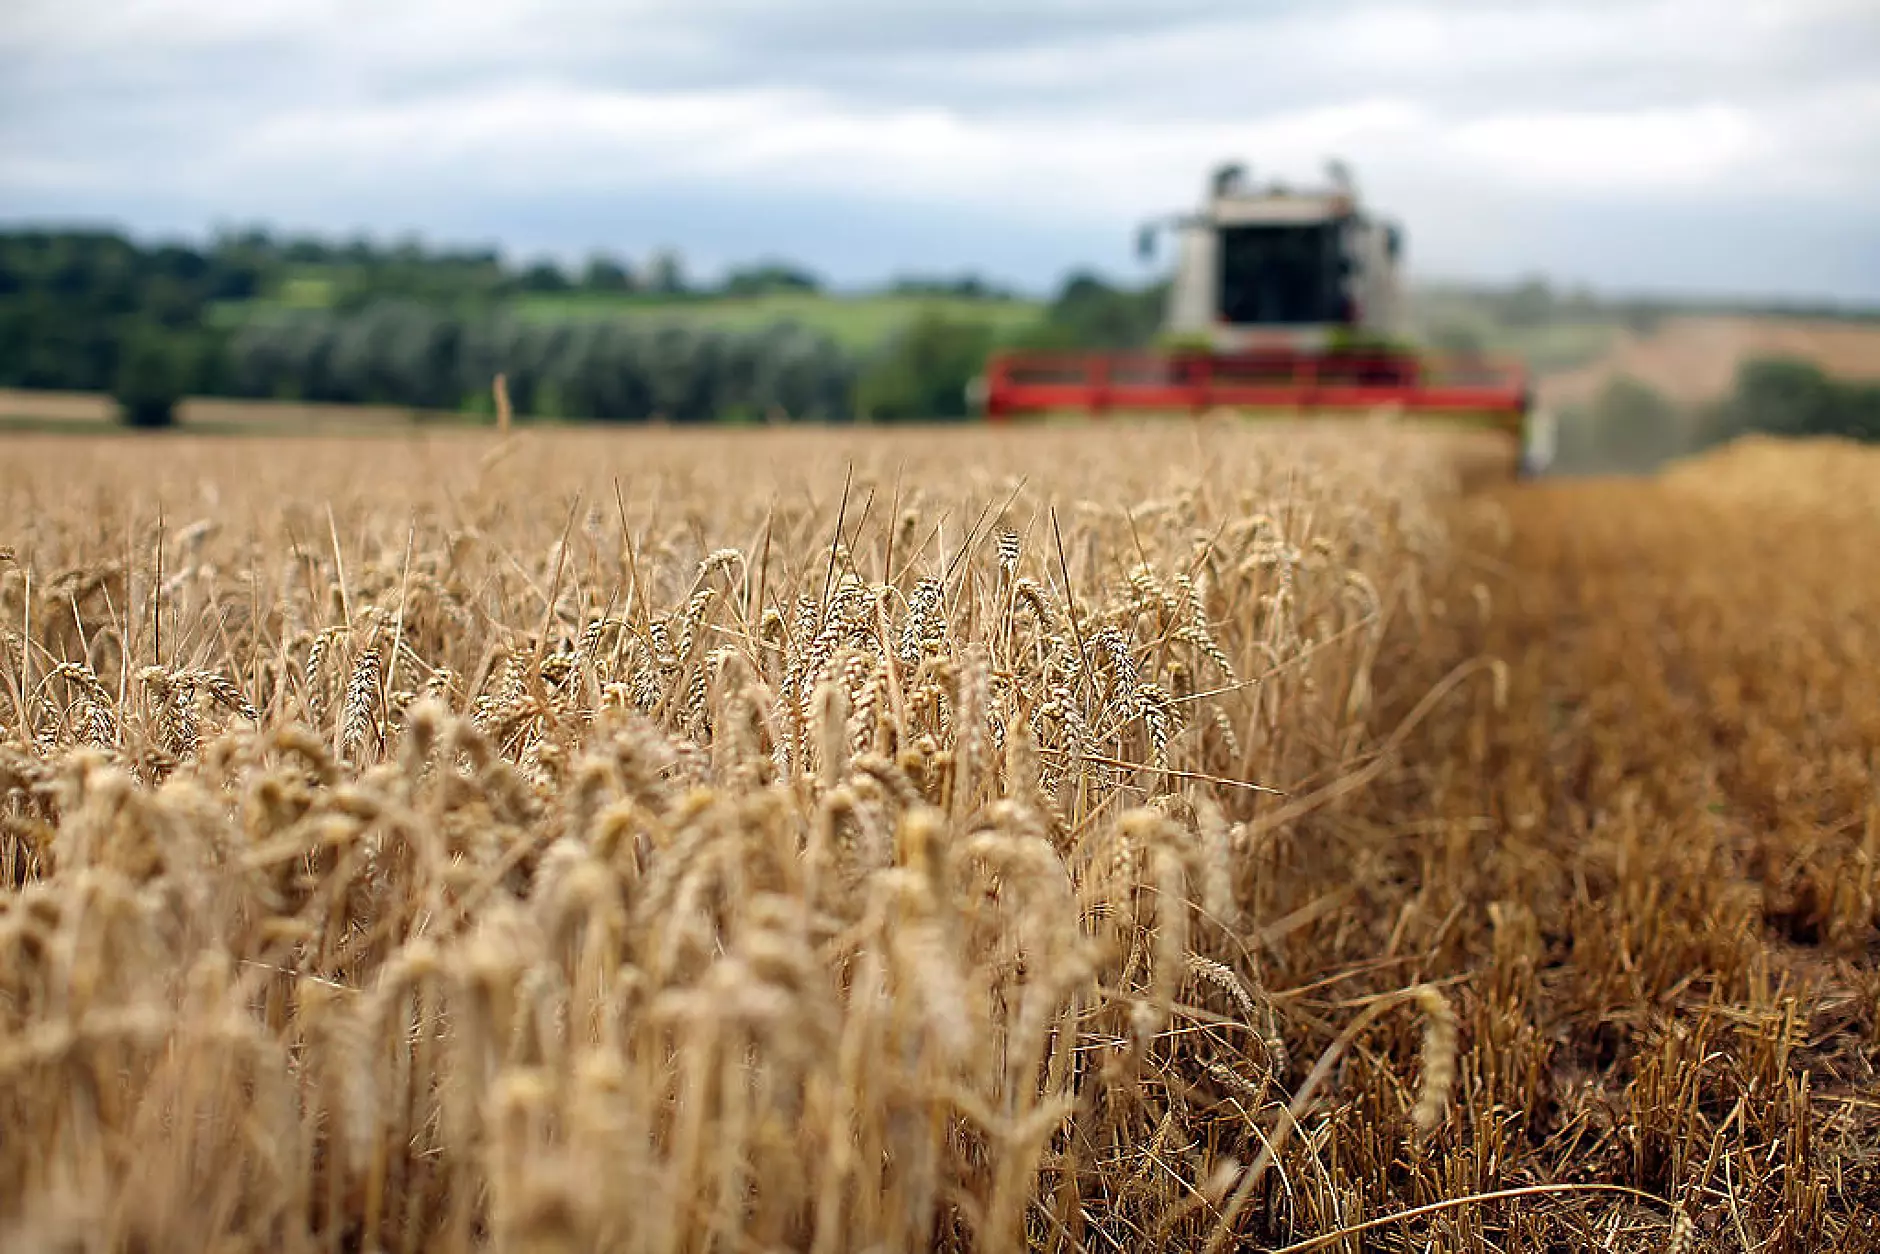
x=768 y=278
x=1791 y=397
x=605 y=274
x=923 y=372
x=409 y=251
x=664 y=273
x=1785 y=396
x=152 y=375
x=308 y=250
x=961 y=287
x=545 y=277
x=1091 y=314
x=801 y=374
x=1860 y=409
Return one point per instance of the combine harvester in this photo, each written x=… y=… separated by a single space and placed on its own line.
x=1283 y=302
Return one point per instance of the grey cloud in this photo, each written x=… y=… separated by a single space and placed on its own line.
x=1177 y=58
x=158 y=115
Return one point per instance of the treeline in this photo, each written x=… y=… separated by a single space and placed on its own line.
x=105 y=272
x=1786 y=396
x=92 y=311
x=73 y=303
x=1631 y=426
x=109 y=270
x=401 y=353
x=629 y=370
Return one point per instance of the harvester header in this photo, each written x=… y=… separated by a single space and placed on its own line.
x=1282 y=299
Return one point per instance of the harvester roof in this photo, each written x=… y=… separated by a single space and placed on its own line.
x=1279 y=207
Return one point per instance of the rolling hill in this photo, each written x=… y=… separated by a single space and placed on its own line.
x=1693 y=359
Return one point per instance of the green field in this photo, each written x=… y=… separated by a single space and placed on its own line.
x=857 y=321
x=854 y=321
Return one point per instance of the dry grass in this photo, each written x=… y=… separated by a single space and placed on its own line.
x=1052 y=839
x=25 y=408
x=58 y=406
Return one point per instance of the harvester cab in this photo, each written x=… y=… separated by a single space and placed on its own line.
x=1283 y=300
x=1274 y=268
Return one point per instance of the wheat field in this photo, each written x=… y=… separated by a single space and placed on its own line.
x=1166 y=836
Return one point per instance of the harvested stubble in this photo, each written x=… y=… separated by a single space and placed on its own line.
x=1660 y=865
x=668 y=842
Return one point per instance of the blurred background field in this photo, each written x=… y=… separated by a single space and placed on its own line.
x=256 y=331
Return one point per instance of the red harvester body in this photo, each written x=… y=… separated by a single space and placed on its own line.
x=1492 y=392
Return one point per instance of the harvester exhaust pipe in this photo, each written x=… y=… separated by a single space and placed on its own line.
x=1228 y=178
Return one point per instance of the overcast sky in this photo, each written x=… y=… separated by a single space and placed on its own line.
x=1690 y=145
